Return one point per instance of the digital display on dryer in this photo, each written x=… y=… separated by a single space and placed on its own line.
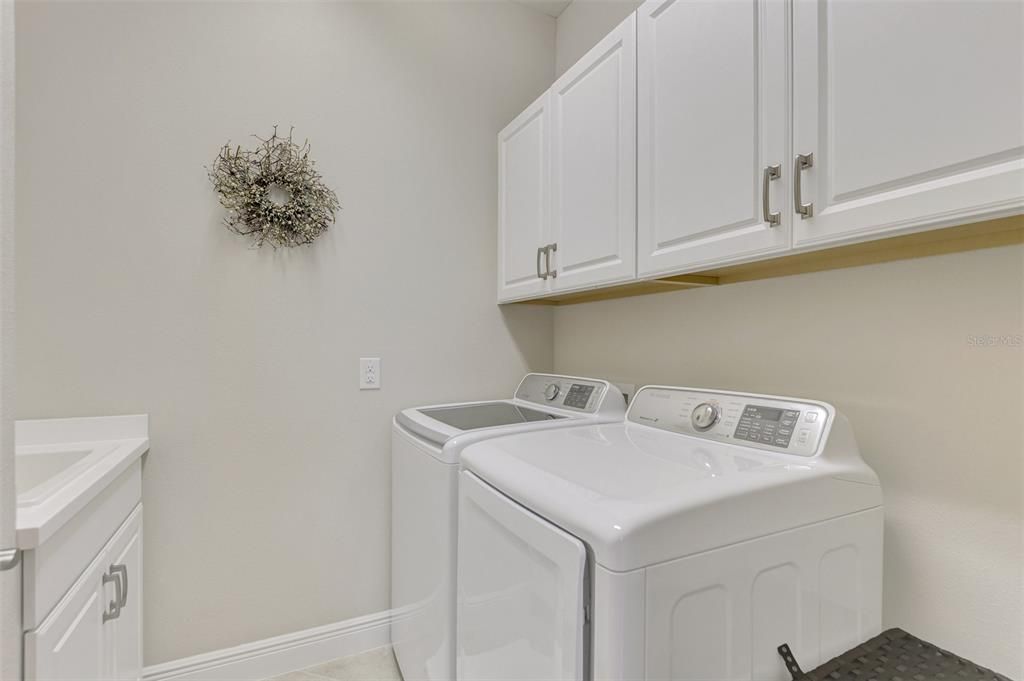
x=763 y=413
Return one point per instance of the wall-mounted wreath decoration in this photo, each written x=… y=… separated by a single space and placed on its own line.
x=273 y=193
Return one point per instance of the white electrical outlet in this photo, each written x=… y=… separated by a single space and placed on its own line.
x=369 y=373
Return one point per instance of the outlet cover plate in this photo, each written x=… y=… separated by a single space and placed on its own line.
x=369 y=373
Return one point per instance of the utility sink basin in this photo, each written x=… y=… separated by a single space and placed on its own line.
x=63 y=464
x=42 y=470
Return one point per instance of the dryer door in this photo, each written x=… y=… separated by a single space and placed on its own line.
x=521 y=591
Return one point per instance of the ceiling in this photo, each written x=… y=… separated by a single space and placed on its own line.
x=550 y=7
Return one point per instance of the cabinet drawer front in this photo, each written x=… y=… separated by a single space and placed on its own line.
x=75 y=642
x=922 y=129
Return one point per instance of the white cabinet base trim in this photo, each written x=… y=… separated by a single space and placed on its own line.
x=281 y=654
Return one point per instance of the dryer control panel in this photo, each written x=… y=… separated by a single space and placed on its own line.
x=778 y=424
x=563 y=392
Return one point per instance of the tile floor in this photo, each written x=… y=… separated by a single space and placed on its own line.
x=375 y=665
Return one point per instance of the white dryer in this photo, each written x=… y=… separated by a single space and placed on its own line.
x=425 y=447
x=686 y=543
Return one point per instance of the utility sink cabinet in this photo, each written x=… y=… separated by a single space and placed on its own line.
x=95 y=630
x=79 y=484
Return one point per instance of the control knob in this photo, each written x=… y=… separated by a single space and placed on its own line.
x=704 y=416
x=551 y=391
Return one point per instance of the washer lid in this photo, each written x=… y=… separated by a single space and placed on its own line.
x=486 y=415
x=640 y=495
x=541 y=401
x=443 y=424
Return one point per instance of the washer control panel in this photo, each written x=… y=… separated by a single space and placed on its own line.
x=776 y=424
x=576 y=394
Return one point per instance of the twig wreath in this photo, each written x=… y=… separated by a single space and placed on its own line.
x=273 y=194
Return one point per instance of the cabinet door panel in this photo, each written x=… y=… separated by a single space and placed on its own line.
x=72 y=644
x=593 y=151
x=127 y=628
x=712 y=114
x=523 y=204
x=913 y=111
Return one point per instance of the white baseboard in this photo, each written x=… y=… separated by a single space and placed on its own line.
x=279 y=655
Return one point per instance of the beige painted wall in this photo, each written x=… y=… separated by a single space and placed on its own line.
x=267 y=490
x=583 y=23
x=937 y=417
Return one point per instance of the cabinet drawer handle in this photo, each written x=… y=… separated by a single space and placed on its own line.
x=541 y=275
x=122 y=570
x=803 y=162
x=9 y=558
x=114 y=610
x=548 y=250
x=770 y=173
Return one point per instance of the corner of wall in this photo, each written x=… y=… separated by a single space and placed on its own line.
x=582 y=24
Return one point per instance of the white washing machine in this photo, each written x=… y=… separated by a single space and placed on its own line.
x=686 y=543
x=425 y=447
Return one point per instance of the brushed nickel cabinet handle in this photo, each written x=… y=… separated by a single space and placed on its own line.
x=770 y=173
x=9 y=558
x=114 y=610
x=548 y=250
x=122 y=570
x=541 y=275
x=803 y=162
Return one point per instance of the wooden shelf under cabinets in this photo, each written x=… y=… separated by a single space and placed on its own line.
x=988 y=234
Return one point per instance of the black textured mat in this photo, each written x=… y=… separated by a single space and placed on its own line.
x=894 y=655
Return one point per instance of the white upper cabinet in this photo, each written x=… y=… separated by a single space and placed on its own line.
x=713 y=125
x=523 y=203
x=913 y=112
x=706 y=133
x=593 y=165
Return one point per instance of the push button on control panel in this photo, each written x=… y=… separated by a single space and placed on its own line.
x=766 y=425
x=578 y=396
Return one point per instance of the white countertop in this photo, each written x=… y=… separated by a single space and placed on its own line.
x=63 y=464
